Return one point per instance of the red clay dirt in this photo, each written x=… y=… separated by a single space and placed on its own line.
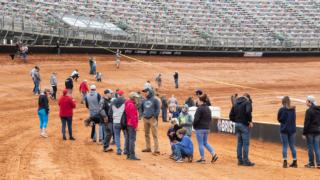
x=24 y=155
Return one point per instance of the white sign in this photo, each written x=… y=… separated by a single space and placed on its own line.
x=226 y=126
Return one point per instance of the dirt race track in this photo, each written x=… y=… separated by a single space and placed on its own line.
x=24 y=155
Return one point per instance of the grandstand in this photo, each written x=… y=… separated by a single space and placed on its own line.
x=187 y=24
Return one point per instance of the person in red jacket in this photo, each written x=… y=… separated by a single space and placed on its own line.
x=132 y=124
x=66 y=104
x=84 y=89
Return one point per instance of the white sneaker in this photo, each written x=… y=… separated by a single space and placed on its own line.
x=44 y=135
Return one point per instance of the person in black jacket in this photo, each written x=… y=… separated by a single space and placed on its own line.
x=241 y=114
x=105 y=105
x=176 y=79
x=190 y=102
x=43 y=111
x=69 y=83
x=287 y=119
x=201 y=123
x=311 y=131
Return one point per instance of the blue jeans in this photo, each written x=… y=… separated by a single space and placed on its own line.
x=94 y=69
x=66 y=121
x=131 y=142
x=313 y=141
x=101 y=131
x=37 y=87
x=176 y=82
x=108 y=135
x=93 y=131
x=202 y=138
x=43 y=116
x=288 y=139
x=243 y=134
x=117 y=134
x=179 y=151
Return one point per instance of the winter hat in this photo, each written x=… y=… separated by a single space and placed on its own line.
x=93 y=87
x=199 y=92
x=133 y=95
x=186 y=107
x=312 y=99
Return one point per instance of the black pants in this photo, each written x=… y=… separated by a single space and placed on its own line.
x=54 y=93
x=131 y=141
x=164 y=114
x=68 y=121
x=108 y=135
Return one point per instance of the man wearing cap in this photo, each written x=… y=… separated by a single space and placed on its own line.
x=105 y=105
x=84 y=89
x=66 y=104
x=311 y=131
x=92 y=101
x=132 y=124
x=151 y=110
x=117 y=113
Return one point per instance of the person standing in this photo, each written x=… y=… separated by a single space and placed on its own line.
x=92 y=101
x=118 y=113
x=287 y=120
x=94 y=67
x=37 y=80
x=140 y=99
x=105 y=108
x=118 y=55
x=164 y=108
x=151 y=110
x=132 y=124
x=201 y=123
x=176 y=79
x=84 y=89
x=147 y=85
x=241 y=114
x=43 y=112
x=58 y=47
x=32 y=72
x=311 y=131
x=185 y=120
x=66 y=104
x=159 y=80
x=91 y=62
x=69 y=83
x=54 y=85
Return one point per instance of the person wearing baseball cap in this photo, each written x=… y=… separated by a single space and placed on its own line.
x=105 y=105
x=132 y=124
x=151 y=110
x=311 y=131
x=117 y=112
x=92 y=101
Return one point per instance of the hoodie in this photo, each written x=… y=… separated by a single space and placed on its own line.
x=92 y=103
x=312 y=121
x=131 y=114
x=287 y=119
x=66 y=104
x=150 y=106
x=187 y=144
x=241 y=112
x=117 y=109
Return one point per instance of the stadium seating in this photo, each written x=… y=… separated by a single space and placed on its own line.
x=219 y=23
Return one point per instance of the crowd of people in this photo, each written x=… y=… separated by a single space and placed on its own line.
x=118 y=113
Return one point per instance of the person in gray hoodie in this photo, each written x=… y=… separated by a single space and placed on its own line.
x=92 y=101
x=151 y=110
x=117 y=112
x=54 y=85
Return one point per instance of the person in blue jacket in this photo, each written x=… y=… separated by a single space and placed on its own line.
x=184 y=148
x=287 y=119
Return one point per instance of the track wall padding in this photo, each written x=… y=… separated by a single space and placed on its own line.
x=267 y=132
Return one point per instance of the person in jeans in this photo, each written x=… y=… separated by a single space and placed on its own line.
x=43 y=112
x=92 y=101
x=184 y=148
x=132 y=124
x=151 y=110
x=164 y=108
x=117 y=112
x=66 y=104
x=105 y=106
x=287 y=119
x=201 y=123
x=311 y=131
x=54 y=85
x=32 y=74
x=241 y=114
x=37 y=80
x=83 y=89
